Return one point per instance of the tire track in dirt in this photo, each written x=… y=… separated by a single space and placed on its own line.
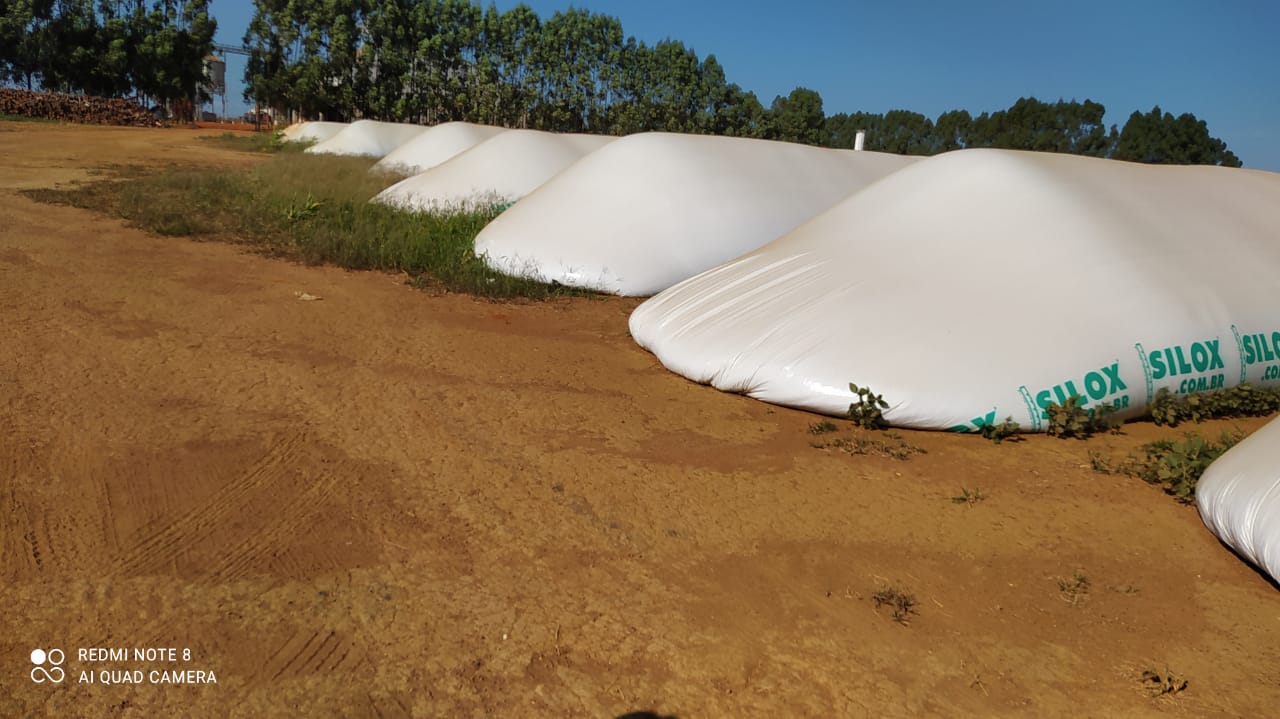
x=287 y=524
x=165 y=542
x=313 y=653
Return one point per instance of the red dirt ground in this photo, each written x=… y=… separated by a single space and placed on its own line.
x=394 y=504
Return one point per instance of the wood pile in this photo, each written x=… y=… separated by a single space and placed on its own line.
x=74 y=108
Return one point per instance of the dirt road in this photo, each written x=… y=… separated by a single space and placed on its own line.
x=392 y=504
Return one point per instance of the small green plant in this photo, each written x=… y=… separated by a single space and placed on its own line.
x=867 y=412
x=1175 y=465
x=824 y=427
x=1161 y=683
x=306 y=210
x=1008 y=429
x=967 y=497
x=1242 y=400
x=1072 y=420
x=1100 y=462
x=902 y=604
x=1074 y=589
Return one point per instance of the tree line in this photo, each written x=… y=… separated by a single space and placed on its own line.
x=431 y=61
x=148 y=49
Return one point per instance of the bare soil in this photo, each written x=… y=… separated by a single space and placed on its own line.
x=388 y=503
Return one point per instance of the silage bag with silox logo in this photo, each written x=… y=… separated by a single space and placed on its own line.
x=984 y=284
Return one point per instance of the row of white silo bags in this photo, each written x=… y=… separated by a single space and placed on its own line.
x=1239 y=498
x=651 y=209
x=368 y=138
x=435 y=146
x=313 y=132
x=983 y=284
x=496 y=172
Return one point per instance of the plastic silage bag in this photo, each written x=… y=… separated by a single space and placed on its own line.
x=367 y=138
x=984 y=284
x=500 y=170
x=312 y=131
x=651 y=209
x=435 y=146
x=1239 y=498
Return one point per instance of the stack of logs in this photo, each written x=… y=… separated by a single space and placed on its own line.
x=74 y=108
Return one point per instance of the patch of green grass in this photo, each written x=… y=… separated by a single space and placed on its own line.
x=24 y=118
x=310 y=208
x=255 y=142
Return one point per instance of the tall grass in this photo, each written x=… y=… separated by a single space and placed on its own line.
x=310 y=208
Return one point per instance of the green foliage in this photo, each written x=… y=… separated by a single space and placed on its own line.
x=901 y=604
x=430 y=61
x=1161 y=138
x=1174 y=465
x=1072 y=420
x=798 y=117
x=1008 y=429
x=310 y=208
x=110 y=48
x=867 y=411
x=1243 y=400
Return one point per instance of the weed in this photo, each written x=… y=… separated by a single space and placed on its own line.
x=823 y=427
x=1075 y=589
x=969 y=498
x=255 y=142
x=1174 y=465
x=1007 y=429
x=336 y=224
x=903 y=605
x=867 y=411
x=306 y=210
x=1242 y=400
x=1161 y=683
x=1100 y=462
x=1072 y=420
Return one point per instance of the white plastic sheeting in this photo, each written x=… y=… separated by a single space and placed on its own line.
x=435 y=146
x=1239 y=498
x=649 y=210
x=983 y=284
x=368 y=138
x=499 y=170
x=312 y=131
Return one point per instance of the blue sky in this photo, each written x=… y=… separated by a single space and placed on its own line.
x=1217 y=60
